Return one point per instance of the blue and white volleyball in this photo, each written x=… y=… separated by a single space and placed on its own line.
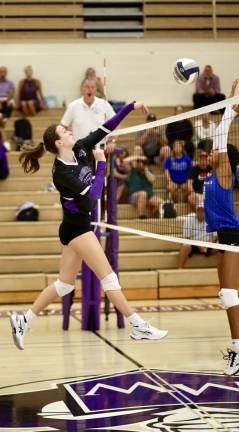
x=185 y=71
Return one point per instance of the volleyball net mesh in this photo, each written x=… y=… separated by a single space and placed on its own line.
x=159 y=170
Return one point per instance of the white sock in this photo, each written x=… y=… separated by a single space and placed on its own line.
x=135 y=319
x=30 y=316
x=235 y=345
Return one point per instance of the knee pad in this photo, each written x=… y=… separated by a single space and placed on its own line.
x=110 y=282
x=63 y=288
x=229 y=297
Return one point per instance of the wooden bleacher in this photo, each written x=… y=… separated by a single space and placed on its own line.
x=68 y=19
x=190 y=18
x=50 y=18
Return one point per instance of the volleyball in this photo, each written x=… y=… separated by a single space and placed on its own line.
x=185 y=71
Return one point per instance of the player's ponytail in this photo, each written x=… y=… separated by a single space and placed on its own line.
x=29 y=159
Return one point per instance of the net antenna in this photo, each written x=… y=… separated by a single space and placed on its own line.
x=173 y=229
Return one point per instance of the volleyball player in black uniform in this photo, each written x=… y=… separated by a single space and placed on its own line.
x=72 y=176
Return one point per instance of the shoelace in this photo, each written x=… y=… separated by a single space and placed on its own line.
x=230 y=357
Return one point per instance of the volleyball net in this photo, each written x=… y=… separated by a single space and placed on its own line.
x=159 y=169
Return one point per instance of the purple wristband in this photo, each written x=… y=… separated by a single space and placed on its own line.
x=112 y=123
x=97 y=185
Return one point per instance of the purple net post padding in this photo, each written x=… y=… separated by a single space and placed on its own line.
x=67 y=301
x=91 y=291
x=112 y=241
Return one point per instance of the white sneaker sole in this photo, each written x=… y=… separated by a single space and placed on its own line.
x=231 y=373
x=149 y=336
x=15 y=338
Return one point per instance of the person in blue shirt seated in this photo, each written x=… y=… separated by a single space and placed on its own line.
x=177 y=168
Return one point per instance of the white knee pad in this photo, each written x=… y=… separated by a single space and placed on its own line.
x=63 y=288
x=229 y=297
x=110 y=282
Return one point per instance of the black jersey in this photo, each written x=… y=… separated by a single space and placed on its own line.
x=73 y=179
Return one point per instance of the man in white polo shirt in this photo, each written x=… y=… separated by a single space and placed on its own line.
x=87 y=113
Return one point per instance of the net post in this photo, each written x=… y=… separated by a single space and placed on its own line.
x=112 y=240
x=67 y=302
x=91 y=290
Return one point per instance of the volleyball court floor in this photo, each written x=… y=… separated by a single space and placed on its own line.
x=104 y=381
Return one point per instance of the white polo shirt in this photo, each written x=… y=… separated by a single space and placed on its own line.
x=85 y=119
x=195 y=229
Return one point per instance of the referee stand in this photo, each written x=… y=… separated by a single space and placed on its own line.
x=91 y=289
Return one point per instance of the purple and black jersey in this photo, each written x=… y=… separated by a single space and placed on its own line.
x=74 y=180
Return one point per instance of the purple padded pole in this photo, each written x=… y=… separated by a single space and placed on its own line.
x=112 y=241
x=67 y=301
x=91 y=291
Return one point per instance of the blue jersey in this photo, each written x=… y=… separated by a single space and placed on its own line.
x=218 y=205
x=179 y=169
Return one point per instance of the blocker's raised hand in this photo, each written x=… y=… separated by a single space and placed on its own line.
x=142 y=106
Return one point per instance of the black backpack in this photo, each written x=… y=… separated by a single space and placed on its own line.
x=168 y=210
x=27 y=212
x=23 y=129
x=22 y=132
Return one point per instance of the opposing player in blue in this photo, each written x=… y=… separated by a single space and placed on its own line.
x=72 y=177
x=221 y=217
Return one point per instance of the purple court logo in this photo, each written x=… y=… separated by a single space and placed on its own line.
x=142 y=400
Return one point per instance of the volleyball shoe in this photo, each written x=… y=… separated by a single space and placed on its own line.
x=146 y=331
x=232 y=358
x=19 y=329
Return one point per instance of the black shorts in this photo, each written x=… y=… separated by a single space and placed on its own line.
x=228 y=236
x=196 y=250
x=68 y=231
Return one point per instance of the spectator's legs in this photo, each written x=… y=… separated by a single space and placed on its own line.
x=24 y=108
x=183 y=255
x=184 y=192
x=154 y=203
x=199 y=100
x=173 y=190
x=1 y=120
x=31 y=107
x=7 y=109
x=139 y=200
x=120 y=190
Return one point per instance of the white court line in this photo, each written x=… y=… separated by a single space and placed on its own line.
x=187 y=115
x=168 y=238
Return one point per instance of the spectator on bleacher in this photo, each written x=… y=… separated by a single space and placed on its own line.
x=177 y=168
x=204 y=128
x=194 y=228
x=90 y=74
x=208 y=89
x=198 y=173
x=4 y=168
x=140 y=189
x=87 y=113
x=181 y=130
x=30 y=94
x=7 y=91
x=153 y=142
x=121 y=172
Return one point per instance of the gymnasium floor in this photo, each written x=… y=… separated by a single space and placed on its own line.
x=86 y=381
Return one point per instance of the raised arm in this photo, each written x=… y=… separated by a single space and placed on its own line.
x=223 y=171
x=91 y=140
